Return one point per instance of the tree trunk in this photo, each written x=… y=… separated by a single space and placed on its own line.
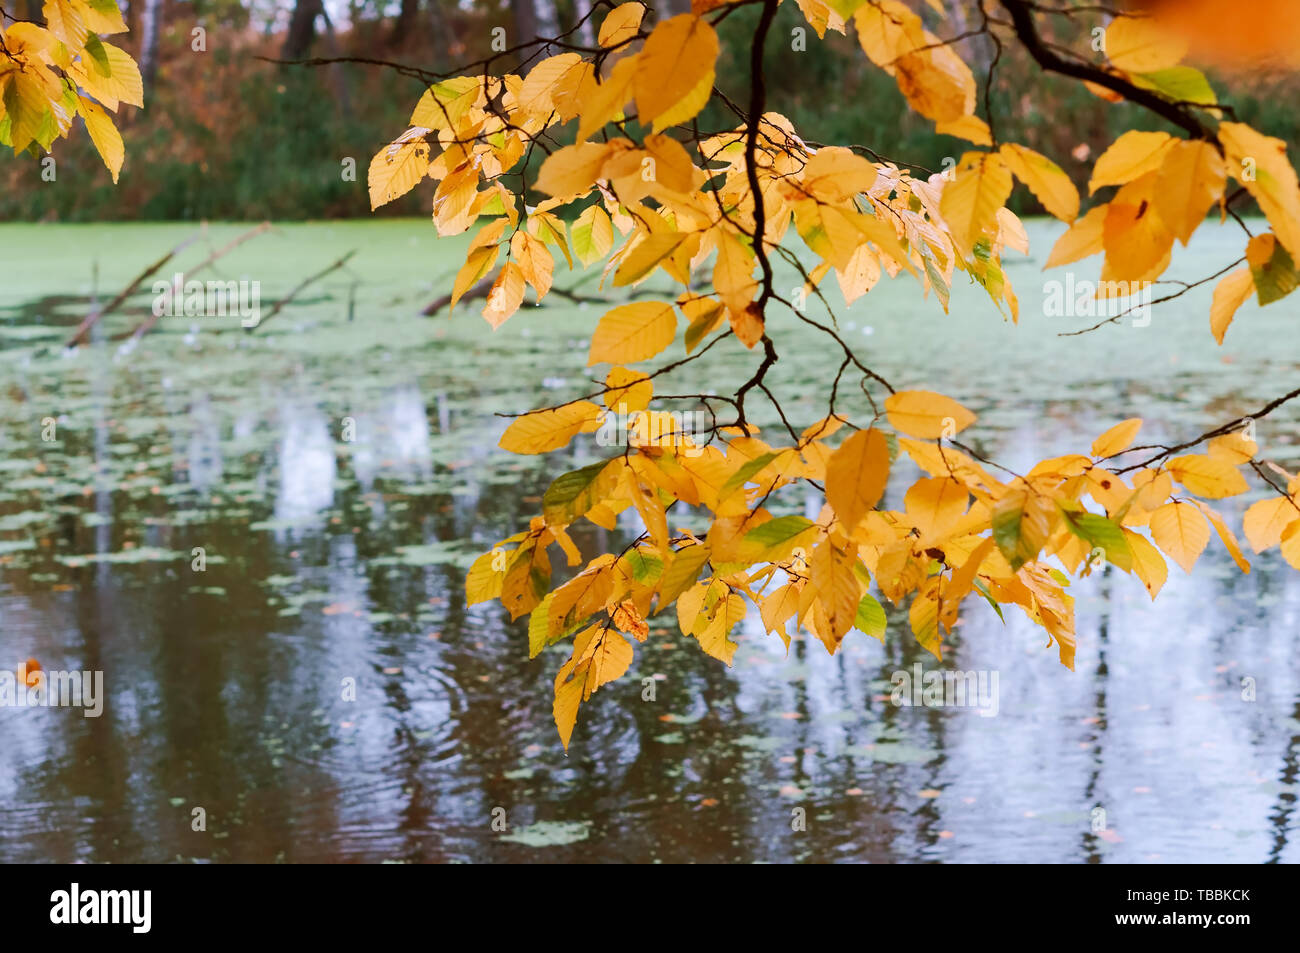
x=587 y=29
x=406 y=22
x=132 y=19
x=302 y=30
x=150 y=26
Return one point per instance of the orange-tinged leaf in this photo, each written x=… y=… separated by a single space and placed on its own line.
x=564 y=709
x=621 y=24
x=1191 y=179
x=1181 y=531
x=856 y=476
x=606 y=102
x=1117 y=438
x=925 y=414
x=1143 y=44
x=748 y=325
x=505 y=296
x=1081 y=240
x=1229 y=294
x=837 y=587
x=934 y=505
x=1137 y=239
x=733 y=273
x=534 y=260
x=633 y=332
x=678 y=55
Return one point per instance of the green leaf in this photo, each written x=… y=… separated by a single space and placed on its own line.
x=571 y=495
x=1183 y=84
x=871 y=617
x=1101 y=533
x=681 y=574
x=984 y=591
x=1276 y=278
x=644 y=566
x=98 y=55
x=776 y=538
x=539 y=626
x=745 y=474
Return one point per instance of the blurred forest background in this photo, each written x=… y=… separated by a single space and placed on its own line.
x=225 y=134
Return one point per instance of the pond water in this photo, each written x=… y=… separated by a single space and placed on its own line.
x=329 y=559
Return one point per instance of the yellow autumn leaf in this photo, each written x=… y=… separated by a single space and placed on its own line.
x=1226 y=536
x=1181 y=531
x=572 y=171
x=593 y=235
x=633 y=332
x=606 y=102
x=970 y=202
x=1236 y=448
x=1264 y=521
x=397 y=168
x=1291 y=544
x=678 y=55
x=107 y=140
x=627 y=391
x=1259 y=163
x=925 y=414
x=122 y=84
x=834 y=174
x=66 y=20
x=971 y=128
x=646 y=255
x=1117 y=438
x=545 y=430
x=856 y=476
x=1207 y=476
x=1147 y=562
x=1131 y=155
x=1045 y=179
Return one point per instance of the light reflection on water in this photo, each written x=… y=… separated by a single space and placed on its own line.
x=331 y=559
